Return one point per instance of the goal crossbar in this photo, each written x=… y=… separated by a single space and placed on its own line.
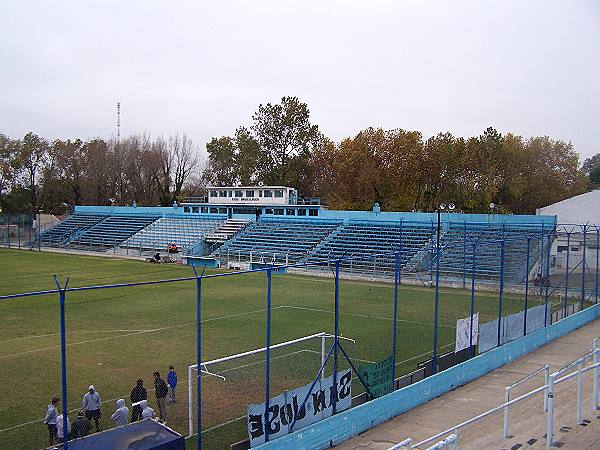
x=204 y=366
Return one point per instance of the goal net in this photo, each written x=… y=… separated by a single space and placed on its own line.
x=230 y=383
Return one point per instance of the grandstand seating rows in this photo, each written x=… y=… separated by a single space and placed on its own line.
x=111 y=231
x=181 y=231
x=316 y=241
x=60 y=234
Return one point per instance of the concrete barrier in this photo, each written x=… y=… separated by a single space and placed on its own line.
x=338 y=428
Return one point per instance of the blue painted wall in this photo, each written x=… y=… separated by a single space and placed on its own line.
x=345 y=216
x=340 y=427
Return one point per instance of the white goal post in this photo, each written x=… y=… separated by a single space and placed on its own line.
x=204 y=368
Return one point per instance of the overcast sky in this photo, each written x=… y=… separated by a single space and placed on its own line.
x=203 y=67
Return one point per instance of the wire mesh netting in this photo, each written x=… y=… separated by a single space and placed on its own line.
x=30 y=364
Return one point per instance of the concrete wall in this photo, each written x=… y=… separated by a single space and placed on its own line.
x=340 y=427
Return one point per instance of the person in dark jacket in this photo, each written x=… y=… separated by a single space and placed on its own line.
x=138 y=393
x=81 y=426
x=161 y=391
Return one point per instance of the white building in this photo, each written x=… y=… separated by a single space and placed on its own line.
x=583 y=208
x=574 y=216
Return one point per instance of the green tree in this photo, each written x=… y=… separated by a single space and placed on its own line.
x=591 y=167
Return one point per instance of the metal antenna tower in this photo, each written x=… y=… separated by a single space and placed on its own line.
x=118 y=120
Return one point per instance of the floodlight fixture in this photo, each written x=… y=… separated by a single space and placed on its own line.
x=451 y=206
x=442 y=206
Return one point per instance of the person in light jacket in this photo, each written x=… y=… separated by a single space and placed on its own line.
x=120 y=416
x=147 y=412
x=60 y=432
x=92 y=404
x=50 y=420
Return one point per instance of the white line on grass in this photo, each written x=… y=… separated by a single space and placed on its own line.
x=39 y=336
x=361 y=315
x=136 y=333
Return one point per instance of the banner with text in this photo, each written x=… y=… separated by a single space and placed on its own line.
x=378 y=377
x=284 y=408
x=463 y=330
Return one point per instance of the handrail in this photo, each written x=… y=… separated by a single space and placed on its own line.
x=549 y=386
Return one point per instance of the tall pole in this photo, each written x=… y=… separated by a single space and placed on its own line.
x=336 y=342
x=268 y=356
x=396 y=279
x=526 y=286
x=501 y=290
x=471 y=349
x=63 y=357
x=597 y=259
x=437 y=295
x=583 y=266
x=198 y=358
x=547 y=279
x=567 y=273
x=118 y=121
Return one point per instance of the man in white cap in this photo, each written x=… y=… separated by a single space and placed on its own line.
x=91 y=405
x=121 y=415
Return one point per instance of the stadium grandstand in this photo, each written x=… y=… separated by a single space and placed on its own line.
x=254 y=225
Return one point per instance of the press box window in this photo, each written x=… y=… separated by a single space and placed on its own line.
x=229 y=193
x=213 y=193
x=204 y=210
x=222 y=193
x=239 y=194
x=313 y=212
x=249 y=193
x=186 y=209
x=301 y=211
x=195 y=209
x=278 y=211
x=279 y=193
x=214 y=210
x=290 y=212
x=268 y=211
x=268 y=193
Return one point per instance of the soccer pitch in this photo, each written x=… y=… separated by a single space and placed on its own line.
x=117 y=335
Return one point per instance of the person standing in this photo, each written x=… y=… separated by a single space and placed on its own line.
x=61 y=433
x=147 y=412
x=172 y=383
x=50 y=420
x=81 y=426
x=138 y=393
x=92 y=404
x=121 y=415
x=161 y=391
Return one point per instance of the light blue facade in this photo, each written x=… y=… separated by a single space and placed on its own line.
x=345 y=216
x=338 y=428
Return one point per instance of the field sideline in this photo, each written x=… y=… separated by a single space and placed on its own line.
x=115 y=336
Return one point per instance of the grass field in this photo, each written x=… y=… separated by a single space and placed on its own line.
x=117 y=335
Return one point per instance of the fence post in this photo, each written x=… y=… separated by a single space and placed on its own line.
x=268 y=356
x=546 y=378
x=336 y=332
x=471 y=349
x=547 y=279
x=550 y=414
x=400 y=267
x=198 y=354
x=396 y=277
x=595 y=360
x=583 y=266
x=63 y=356
x=526 y=286
x=464 y=255
x=501 y=290
x=579 y=391
x=567 y=274
x=597 y=259
x=505 y=434
x=437 y=307
x=323 y=355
